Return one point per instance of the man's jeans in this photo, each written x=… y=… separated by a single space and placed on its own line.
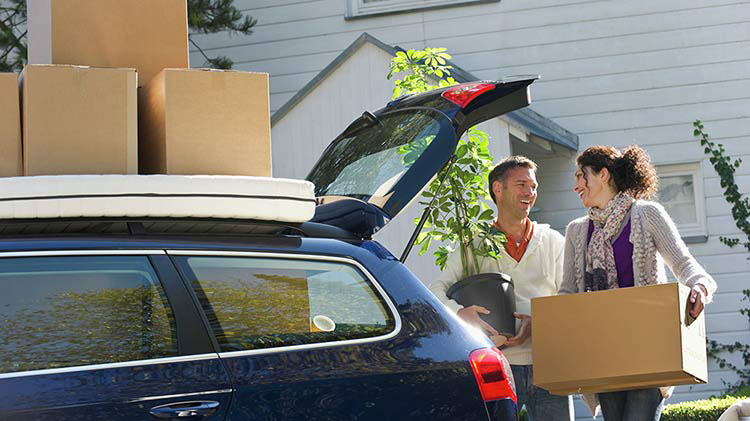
x=632 y=405
x=540 y=404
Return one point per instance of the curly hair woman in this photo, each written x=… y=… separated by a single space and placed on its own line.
x=623 y=242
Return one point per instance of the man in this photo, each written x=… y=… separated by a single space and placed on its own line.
x=533 y=257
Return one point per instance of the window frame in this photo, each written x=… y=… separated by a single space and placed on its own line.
x=296 y=257
x=359 y=9
x=697 y=231
x=167 y=280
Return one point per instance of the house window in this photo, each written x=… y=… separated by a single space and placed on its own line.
x=681 y=194
x=360 y=8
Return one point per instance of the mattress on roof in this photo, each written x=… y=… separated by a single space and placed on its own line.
x=178 y=196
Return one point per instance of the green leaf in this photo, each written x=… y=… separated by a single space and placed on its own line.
x=487 y=214
x=425 y=246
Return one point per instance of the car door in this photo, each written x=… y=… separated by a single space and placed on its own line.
x=315 y=337
x=103 y=335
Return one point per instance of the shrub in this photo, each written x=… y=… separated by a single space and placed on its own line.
x=703 y=410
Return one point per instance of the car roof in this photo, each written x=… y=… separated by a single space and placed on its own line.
x=296 y=243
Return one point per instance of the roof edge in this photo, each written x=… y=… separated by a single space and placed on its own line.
x=536 y=123
x=332 y=66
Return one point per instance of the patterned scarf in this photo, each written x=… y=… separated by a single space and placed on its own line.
x=601 y=272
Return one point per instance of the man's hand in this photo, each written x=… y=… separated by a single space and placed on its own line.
x=697 y=300
x=523 y=333
x=471 y=316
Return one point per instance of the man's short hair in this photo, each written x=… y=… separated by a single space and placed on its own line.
x=501 y=170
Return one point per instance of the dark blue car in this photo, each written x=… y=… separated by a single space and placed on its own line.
x=111 y=310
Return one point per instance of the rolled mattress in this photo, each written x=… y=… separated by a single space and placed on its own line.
x=157 y=196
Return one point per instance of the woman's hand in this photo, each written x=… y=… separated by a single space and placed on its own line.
x=523 y=333
x=697 y=300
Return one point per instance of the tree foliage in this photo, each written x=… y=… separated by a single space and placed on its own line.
x=211 y=16
x=204 y=17
x=12 y=35
x=459 y=216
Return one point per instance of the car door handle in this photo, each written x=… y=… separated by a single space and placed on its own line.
x=184 y=409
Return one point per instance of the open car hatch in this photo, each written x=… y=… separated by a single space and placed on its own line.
x=383 y=160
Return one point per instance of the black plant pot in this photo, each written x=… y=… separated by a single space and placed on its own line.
x=493 y=291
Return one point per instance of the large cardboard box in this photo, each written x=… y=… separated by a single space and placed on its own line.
x=149 y=35
x=194 y=121
x=79 y=120
x=11 y=163
x=619 y=339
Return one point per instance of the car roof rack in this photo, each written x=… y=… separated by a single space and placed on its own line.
x=144 y=227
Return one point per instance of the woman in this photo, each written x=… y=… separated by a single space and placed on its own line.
x=623 y=242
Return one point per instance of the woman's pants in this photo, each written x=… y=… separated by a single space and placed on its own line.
x=632 y=405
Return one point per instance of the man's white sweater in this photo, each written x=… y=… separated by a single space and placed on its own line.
x=538 y=274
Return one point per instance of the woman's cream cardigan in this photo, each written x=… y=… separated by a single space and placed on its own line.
x=655 y=241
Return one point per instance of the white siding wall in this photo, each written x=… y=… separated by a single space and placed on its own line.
x=358 y=84
x=613 y=72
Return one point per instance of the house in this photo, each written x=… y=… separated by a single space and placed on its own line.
x=612 y=72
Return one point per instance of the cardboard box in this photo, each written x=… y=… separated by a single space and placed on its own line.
x=149 y=35
x=79 y=120
x=212 y=122
x=11 y=163
x=620 y=339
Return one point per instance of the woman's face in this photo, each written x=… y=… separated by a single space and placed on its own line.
x=593 y=188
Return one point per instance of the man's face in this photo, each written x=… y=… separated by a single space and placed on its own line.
x=517 y=194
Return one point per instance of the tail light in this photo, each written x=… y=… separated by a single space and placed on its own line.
x=489 y=370
x=464 y=93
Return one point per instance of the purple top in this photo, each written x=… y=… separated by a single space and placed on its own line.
x=623 y=250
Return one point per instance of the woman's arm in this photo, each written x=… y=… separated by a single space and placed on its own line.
x=569 y=285
x=674 y=251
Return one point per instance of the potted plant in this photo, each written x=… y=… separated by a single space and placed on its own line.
x=457 y=212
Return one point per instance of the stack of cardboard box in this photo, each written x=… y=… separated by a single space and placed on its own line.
x=108 y=90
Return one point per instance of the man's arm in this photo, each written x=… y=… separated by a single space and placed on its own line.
x=446 y=279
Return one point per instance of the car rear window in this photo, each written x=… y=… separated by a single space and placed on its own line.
x=369 y=162
x=256 y=303
x=67 y=311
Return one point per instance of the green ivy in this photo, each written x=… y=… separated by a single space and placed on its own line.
x=725 y=167
x=459 y=216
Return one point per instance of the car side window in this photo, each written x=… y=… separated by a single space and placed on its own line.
x=65 y=311
x=255 y=303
